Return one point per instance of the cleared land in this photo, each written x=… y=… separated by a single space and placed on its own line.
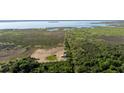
x=43 y=55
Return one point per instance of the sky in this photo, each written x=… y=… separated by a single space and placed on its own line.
x=61 y=9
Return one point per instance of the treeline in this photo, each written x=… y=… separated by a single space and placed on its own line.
x=30 y=65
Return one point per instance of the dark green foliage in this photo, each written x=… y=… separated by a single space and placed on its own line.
x=25 y=65
x=90 y=54
x=56 y=67
x=29 y=65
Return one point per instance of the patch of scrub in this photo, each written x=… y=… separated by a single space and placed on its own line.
x=51 y=58
x=8 y=54
x=113 y=39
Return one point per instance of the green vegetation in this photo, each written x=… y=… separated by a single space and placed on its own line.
x=21 y=43
x=29 y=65
x=88 y=50
x=33 y=38
x=52 y=58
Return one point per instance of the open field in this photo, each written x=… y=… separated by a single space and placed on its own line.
x=47 y=55
x=22 y=43
x=33 y=38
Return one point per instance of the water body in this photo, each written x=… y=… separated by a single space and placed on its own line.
x=48 y=24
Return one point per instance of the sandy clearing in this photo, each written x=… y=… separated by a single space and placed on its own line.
x=42 y=54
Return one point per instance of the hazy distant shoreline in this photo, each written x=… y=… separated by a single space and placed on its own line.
x=33 y=24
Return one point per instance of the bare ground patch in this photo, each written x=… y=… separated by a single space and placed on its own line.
x=42 y=54
x=6 y=55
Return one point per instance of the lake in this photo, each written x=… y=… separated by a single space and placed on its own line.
x=30 y=24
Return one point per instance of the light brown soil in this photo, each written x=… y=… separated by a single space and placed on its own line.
x=42 y=54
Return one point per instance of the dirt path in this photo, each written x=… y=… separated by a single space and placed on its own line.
x=42 y=54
